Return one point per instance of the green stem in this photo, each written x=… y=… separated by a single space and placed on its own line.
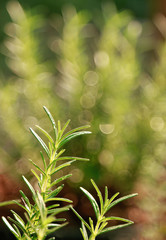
x=95 y=232
x=47 y=180
x=92 y=237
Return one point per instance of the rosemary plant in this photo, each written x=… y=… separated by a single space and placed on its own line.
x=105 y=205
x=41 y=215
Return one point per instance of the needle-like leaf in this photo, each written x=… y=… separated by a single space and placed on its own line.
x=71 y=136
x=93 y=201
x=115 y=227
x=46 y=134
x=9 y=202
x=51 y=119
x=120 y=200
x=34 y=164
x=64 y=128
x=58 y=180
x=98 y=193
x=10 y=227
x=62 y=166
x=44 y=146
x=75 y=130
x=44 y=161
x=55 y=192
x=83 y=231
x=30 y=186
x=82 y=220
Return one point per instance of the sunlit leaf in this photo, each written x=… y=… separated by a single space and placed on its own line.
x=59 y=199
x=34 y=164
x=51 y=119
x=115 y=227
x=75 y=130
x=84 y=232
x=44 y=146
x=30 y=186
x=92 y=200
x=46 y=134
x=62 y=166
x=9 y=202
x=58 y=180
x=44 y=162
x=116 y=218
x=98 y=193
x=71 y=136
x=55 y=192
x=74 y=158
x=10 y=227
x=64 y=128
x=121 y=199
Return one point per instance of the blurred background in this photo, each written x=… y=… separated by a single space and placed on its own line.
x=95 y=62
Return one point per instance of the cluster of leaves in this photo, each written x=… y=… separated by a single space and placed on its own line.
x=100 y=211
x=41 y=219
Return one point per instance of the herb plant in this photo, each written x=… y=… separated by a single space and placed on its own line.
x=41 y=215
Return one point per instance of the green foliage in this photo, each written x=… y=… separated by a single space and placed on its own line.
x=85 y=86
x=41 y=219
x=100 y=211
x=91 y=71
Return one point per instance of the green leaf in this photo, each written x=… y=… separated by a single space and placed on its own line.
x=17 y=224
x=75 y=130
x=44 y=162
x=17 y=230
x=121 y=199
x=75 y=158
x=41 y=205
x=55 y=192
x=20 y=205
x=10 y=227
x=57 y=219
x=71 y=136
x=53 y=206
x=62 y=166
x=46 y=134
x=84 y=232
x=82 y=220
x=30 y=186
x=108 y=202
x=59 y=210
x=18 y=219
x=102 y=226
x=9 y=202
x=93 y=201
x=60 y=179
x=91 y=224
x=44 y=146
x=51 y=119
x=35 y=174
x=117 y=219
x=64 y=128
x=98 y=193
x=57 y=228
x=26 y=199
x=115 y=227
x=106 y=194
x=113 y=197
x=59 y=199
x=60 y=153
x=34 y=164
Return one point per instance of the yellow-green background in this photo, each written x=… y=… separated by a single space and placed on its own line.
x=100 y=63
